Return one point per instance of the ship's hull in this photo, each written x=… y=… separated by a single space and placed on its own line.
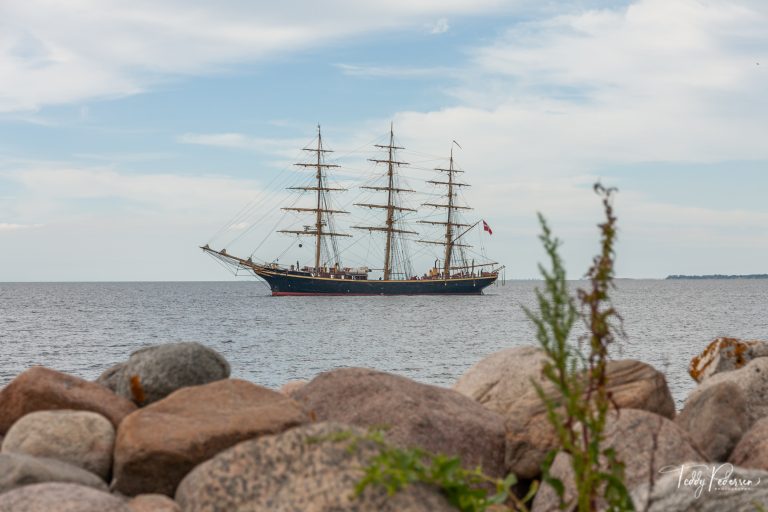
x=284 y=284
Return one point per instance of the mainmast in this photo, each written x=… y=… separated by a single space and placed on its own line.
x=322 y=211
x=391 y=206
x=451 y=207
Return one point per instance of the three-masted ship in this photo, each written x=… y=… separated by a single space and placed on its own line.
x=454 y=273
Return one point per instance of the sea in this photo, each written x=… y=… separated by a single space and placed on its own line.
x=84 y=328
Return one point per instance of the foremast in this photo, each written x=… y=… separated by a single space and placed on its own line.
x=322 y=211
x=392 y=205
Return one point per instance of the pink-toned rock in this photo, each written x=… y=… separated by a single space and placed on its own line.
x=291 y=387
x=60 y=497
x=41 y=389
x=643 y=441
x=752 y=450
x=500 y=379
x=725 y=354
x=159 y=444
x=153 y=503
x=81 y=438
x=530 y=436
x=715 y=418
x=414 y=415
x=686 y=488
x=17 y=470
x=312 y=468
x=752 y=379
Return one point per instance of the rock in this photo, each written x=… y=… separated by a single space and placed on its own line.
x=752 y=449
x=752 y=379
x=111 y=376
x=153 y=503
x=60 y=497
x=686 y=488
x=632 y=384
x=643 y=441
x=292 y=386
x=500 y=379
x=414 y=414
x=41 y=389
x=17 y=470
x=81 y=438
x=313 y=468
x=159 y=444
x=715 y=419
x=724 y=355
x=153 y=373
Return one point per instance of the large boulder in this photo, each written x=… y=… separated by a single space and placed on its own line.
x=644 y=442
x=153 y=503
x=110 y=377
x=291 y=387
x=413 y=414
x=499 y=380
x=159 y=444
x=724 y=355
x=41 y=389
x=691 y=486
x=752 y=379
x=82 y=438
x=60 y=497
x=530 y=436
x=715 y=419
x=752 y=450
x=17 y=470
x=153 y=373
x=313 y=468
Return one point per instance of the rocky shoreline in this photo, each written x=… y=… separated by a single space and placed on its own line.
x=169 y=430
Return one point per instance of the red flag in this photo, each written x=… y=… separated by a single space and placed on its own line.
x=487 y=228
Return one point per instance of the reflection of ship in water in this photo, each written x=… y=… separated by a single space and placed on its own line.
x=455 y=271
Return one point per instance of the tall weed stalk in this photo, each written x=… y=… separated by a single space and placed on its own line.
x=579 y=406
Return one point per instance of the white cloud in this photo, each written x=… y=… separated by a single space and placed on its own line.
x=397 y=72
x=656 y=81
x=439 y=27
x=60 y=186
x=241 y=141
x=54 y=52
x=4 y=226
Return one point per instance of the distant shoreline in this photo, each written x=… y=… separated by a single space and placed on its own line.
x=721 y=276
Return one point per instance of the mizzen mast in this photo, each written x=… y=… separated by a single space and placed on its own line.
x=392 y=204
x=450 y=222
x=321 y=210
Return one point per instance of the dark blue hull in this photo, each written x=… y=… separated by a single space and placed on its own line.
x=283 y=283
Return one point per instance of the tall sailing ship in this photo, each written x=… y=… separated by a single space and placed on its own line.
x=456 y=272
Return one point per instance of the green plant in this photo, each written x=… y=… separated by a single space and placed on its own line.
x=468 y=490
x=578 y=407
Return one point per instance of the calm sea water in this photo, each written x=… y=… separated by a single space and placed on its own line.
x=83 y=328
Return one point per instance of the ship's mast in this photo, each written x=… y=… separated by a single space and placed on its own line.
x=451 y=207
x=319 y=214
x=321 y=200
x=391 y=206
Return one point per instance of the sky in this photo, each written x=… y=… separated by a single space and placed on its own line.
x=131 y=133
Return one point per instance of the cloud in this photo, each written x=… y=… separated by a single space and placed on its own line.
x=234 y=140
x=54 y=52
x=63 y=188
x=571 y=95
x=397 y=72
x=439 y=27
x=17 y=227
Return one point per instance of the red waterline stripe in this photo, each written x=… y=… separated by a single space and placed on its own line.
x=307 y=294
